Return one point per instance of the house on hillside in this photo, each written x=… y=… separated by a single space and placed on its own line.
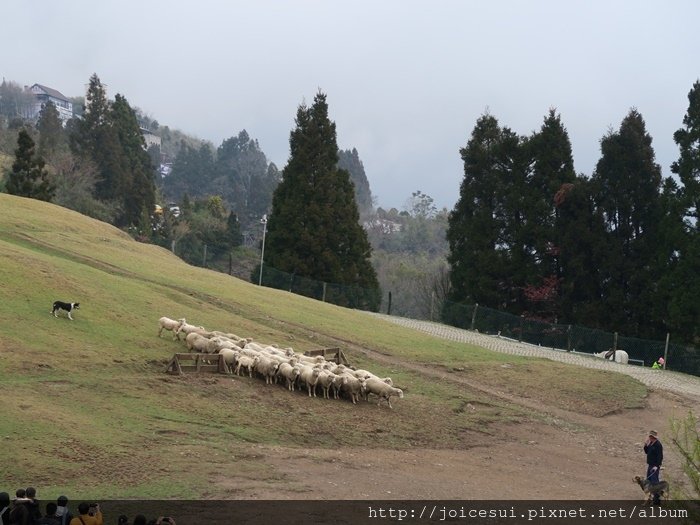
x=44 y=95
x=151 y=138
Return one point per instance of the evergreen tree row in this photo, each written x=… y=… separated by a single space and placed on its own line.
x=618 y=250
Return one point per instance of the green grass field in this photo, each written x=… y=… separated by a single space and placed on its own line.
x=87 y=408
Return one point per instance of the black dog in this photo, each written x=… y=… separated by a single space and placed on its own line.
x=68 y=307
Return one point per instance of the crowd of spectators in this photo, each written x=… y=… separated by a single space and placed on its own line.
x=25 y=509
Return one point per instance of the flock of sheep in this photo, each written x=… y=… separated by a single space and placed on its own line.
x=243 y=355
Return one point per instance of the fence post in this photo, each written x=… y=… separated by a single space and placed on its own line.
x=324 y=292
x=668 y=336
x=432 y=305
x=568 y=339
x=476 y=305
x=388 y=309
x=614 y=343
x=204 y=258
x=520 y=335
x=172 y=246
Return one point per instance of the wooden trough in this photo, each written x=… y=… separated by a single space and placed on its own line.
x=330 y=354
x=181 y=363
x=198 y=362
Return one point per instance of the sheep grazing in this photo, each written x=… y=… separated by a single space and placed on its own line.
x=381 y=389
x=166 y=323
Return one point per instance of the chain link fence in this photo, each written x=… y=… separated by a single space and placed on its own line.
x=569 y=337
x=350 y=296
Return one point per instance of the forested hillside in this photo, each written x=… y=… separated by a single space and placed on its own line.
x=616 y=249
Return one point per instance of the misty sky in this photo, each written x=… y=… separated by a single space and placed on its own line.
x=405 y=80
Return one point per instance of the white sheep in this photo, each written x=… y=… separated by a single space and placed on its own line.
x=170 y=324
x=381 y=389
x=197 y=342
x=290 y=373
x=350 y=385
x=189 y=328
x=326 y=380
x=217 y=343
x=266 y=367
x=246 y=362
x=230 y=358
x=308 y=376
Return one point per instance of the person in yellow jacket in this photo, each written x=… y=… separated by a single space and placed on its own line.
x=658 y=364
x=88 y=515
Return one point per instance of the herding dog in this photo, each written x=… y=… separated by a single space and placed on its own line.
x=660 y=489
x=67 y=307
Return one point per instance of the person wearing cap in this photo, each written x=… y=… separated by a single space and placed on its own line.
x=655 y=456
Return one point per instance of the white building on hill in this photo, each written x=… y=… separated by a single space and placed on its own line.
x=44 y=95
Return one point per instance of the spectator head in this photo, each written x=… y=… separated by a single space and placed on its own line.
x=31 y=492
x=4 y=500
x=21 y=493
x=51 y=509
x=62 y=501
x=140 y=519
x=84 y=507
x=122 y=520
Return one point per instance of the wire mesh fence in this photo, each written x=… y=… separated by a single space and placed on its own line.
x=350 y=296
x=569 y=337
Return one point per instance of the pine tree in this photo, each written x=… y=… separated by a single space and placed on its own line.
x=349 y=160
x=314 y=230
x=549 y=151
x=487 y=256
x=687 y=167
x=581 y=246
x=627 y=184
x=137 y=185
x=28 y=178
x=683 y=281
x=95 y=139
x=50 y=129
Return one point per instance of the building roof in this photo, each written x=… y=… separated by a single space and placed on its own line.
x=52 y=92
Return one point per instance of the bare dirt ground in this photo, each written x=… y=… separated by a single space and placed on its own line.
x=569 y=457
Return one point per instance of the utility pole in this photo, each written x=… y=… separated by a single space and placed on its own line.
x=263 y=221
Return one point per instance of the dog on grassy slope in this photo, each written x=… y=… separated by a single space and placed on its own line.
x=660 y=490
x=66 y=307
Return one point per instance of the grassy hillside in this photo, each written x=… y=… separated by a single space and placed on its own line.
x=87 y=408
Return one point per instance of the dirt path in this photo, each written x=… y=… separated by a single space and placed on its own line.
x=573 y=456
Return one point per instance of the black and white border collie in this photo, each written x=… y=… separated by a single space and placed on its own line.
x=67 y=307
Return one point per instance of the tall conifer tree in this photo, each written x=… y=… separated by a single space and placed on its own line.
x=552 y=165
x=137 y=192
x=314 y=230
x=485 y=227
x=28 y=178
x=684 y=281
x=627 y=184
x=50 y=129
